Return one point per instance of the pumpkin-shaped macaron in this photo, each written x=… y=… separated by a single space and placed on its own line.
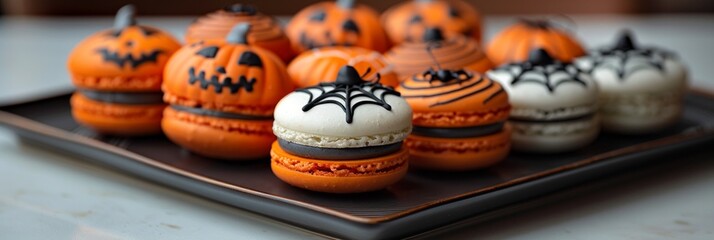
x=323 y=64
x=340 y=23
x=222 y=95
x=459 y=120
x=118 y=74
x=513 y=44
x=408 y=21
x=265 y=30
x=458 y=52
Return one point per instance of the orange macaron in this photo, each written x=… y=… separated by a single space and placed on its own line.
x=221 y=95
x=330 y=142
x=118 y=74
x=459 y=120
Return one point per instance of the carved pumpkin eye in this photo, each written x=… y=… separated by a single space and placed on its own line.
x=415 y=19
x=250 y=59
x=350 y=26
x=318 y=16
x=453 y=12
x=208 y=52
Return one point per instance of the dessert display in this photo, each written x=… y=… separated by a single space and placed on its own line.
x=459 y=120
x=322 y=64
x=341 y=137
x=642 y=88
x=410 y=58
x=117 y=73
x=554 y=104
x=265 y=30
x=222 y=95
x=339 y=23
x=514 y=43
x=409 y=20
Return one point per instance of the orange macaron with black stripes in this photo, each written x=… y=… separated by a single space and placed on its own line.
x=459 y=120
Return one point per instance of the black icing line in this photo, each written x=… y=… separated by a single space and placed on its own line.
x=128 y=59
x=227 y=82
x=462 y=132
x=134 y=98
x=338 y=153
x=347 y=87
x=464 y=88
x=218 y=114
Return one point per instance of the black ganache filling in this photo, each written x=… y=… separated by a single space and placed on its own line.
x=462 y=132
x=136 y=98
x=218 y=114
x=338 y=153
x=349 y=93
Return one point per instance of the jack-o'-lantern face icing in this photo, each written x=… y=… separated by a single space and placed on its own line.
x=227 y=76
x=515 y=43
x=127 y=51
x=408 y=21
x=337 y=24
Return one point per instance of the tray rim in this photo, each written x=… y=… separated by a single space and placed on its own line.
x=26 y=124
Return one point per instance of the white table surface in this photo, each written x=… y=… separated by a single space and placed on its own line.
x=47 y=195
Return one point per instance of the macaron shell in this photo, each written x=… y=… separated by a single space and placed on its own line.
x=368 y=120
x=227 y=139
x=459 y=154
x=637 y=124
x=117 y=119
x=526 y=97
x=322 y=65
x=413 y=58
x=339 y=184
x=672 y=78
x=555 y=137
x=119 y=83
x=476 y=101
x=86 y=62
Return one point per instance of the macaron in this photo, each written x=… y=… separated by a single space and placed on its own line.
x=642 y=88
x=554 y=104
x=222 y=95
x=459 y=120
x=341 y=137
x=457 y=52
x=322 y=64
x=407 y=21
x=118 y=75
x=265 y=32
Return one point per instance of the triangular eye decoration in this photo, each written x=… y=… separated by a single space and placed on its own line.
x=351 y=26
x=453 y=12
x=415 y=19
x=148 y=31
x=208 y=52
x=250 y=59
x=318 y=16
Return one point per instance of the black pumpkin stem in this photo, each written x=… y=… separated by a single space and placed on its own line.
x=537 y=23
x=126 y=16
x=540 y=57
x=239 y=8
x=239 y=34
x=346 y=4
x=625 y=42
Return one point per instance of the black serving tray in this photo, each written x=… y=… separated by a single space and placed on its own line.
x=422 y=201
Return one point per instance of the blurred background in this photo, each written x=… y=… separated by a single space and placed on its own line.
x=287 y=7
